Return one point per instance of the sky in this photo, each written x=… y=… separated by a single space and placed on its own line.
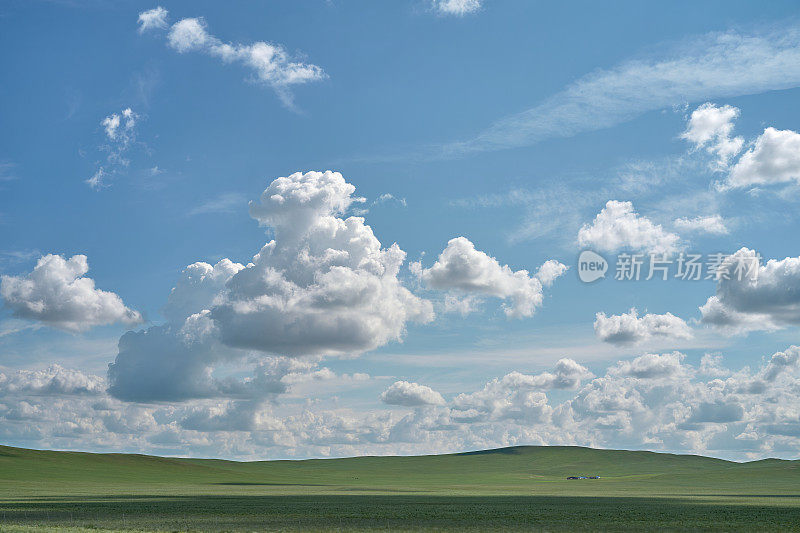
x=331 y=228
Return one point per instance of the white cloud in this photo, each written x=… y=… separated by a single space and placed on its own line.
x=199 y=288
x=550 y=271
x=629 y=328
x=458 y=8
x=155 y=18
x=724 y=317
x=462 y=268
x=188 y=34
x=716 y=65
x=712 y=224
x=120 y=127
x=781 y=363
x=411 y=395
x=324 y=286
x=98 y=179
x=387 y=198
x=517 y=395
x=710 y=127
x=755 y=297
x=461 y=304
x=57 y=294
x=773 y=158
x=711 y=365
x=271 y=63
x=619 y=227
x=120 y=131
x=651 y=366
x=53 y=381
x=655 y=401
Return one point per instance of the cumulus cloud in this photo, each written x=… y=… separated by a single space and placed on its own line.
x=751 y=296
x=711 y=365
x=517 y=395
x=717 y=412
x=323 y=286
x=651 y=366
x=160 y=364
x=155 y=18
x=270 y=63
x=655 y=401
x=710 y=128
x=463 y=305
x=619 y=227
x=773 y=158
x=411 y=395
x=458 y=8
x=781 y=363
x=58 y=294
x=55 y=380
x=712 y=224
x=629 y=328
x=197 y=288
x=550 y=271
x=460 y=267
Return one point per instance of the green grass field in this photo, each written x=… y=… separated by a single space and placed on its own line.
x=507 y=489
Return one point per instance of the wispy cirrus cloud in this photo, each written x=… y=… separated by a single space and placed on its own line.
x=120 y=133
x=715 y=65
x=457 y=8
x=224 y=203
x=7 y=171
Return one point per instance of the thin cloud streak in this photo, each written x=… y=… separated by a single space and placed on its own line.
x=717 y=65
x=224 y=203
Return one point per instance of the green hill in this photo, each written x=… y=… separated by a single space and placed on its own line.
x=519 y=470
x=505 y=488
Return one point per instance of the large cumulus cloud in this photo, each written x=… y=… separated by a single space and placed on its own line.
x=323 y=286
x=755 y=296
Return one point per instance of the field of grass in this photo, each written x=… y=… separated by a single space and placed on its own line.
x=508 y=489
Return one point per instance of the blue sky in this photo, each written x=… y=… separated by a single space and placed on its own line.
x=136 y=135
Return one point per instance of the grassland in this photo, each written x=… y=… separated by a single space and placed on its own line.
x=508 y=489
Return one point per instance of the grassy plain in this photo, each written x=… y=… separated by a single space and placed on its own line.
x=520 y=488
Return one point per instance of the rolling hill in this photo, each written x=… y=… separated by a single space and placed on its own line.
x=518 y=470
x=509 y=488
